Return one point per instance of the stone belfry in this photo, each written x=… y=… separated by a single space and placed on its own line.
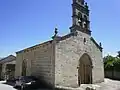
x=80 y=17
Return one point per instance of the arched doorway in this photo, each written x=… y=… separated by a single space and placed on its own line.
x=24 y=66
x=85 y=70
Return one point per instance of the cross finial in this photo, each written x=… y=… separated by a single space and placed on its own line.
x=86 y=5
x=100 y=44
x=55 y=32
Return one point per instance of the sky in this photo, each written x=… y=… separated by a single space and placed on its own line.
x=25 y=23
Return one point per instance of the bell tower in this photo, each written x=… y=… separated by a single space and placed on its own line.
x=80 y=17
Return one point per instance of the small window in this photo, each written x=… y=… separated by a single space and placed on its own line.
x=84 y=40
x=85 y=17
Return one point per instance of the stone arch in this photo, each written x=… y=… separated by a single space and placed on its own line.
x=80 y=18
x=24 y=67
x=85 y=70
x=85 y=23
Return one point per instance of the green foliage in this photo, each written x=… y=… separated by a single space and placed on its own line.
x=111 y=63
x=108 y=62
x=118 y=54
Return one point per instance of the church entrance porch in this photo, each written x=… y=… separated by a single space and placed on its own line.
x=85 y=70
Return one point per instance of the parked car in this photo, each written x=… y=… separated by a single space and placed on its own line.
x=27 y=82
x=11 y=81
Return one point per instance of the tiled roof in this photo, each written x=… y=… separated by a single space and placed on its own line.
x=7 y=59
x=44 y=43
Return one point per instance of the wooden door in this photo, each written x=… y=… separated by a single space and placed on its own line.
x=85 y=71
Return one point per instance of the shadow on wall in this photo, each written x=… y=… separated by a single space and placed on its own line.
x=44 y=84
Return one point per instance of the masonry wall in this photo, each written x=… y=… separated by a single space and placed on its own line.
x=98 y=65
x=68 y=53
x=28 y=57
x=40 y=62
x=43 y=63
x=18 y=67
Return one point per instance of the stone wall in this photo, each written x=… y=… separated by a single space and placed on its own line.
x=68 y=53
x=43 y=65
x=40 y=62
x=28 y=57
x=18 y=67
x=112 y=74
x=98 y=65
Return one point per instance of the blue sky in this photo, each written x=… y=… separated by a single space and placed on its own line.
x=24 y=23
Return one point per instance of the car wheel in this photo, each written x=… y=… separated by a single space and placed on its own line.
x=22 y=87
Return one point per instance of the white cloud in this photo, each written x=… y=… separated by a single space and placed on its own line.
x=110 y=53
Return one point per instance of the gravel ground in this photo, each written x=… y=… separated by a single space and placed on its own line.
x=108 y=84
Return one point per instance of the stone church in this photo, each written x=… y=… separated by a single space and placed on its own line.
x=69 y=60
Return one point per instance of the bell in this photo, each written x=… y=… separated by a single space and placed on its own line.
x=84 y=22
x=79 y=21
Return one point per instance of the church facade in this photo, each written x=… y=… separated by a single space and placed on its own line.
x=69 y=60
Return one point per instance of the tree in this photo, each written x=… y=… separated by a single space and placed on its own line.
x=108 y=61
x=118 y=54
x=111 y=63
